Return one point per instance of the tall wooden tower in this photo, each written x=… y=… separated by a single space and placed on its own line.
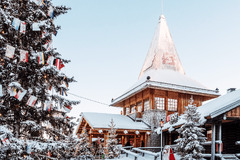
x=162 y=88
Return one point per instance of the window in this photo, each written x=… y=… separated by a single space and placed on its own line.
x=172 y=105
x=133 y=110
x=160 y=103
x=146 y=105
x=139 y=107
x=209 y=135
x=127 y=111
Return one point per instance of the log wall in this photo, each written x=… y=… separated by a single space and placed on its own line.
x=150 y=94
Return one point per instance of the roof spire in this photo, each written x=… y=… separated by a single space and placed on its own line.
x=162 y=54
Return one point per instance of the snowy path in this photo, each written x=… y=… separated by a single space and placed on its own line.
x=147 y=157
x=123 y=157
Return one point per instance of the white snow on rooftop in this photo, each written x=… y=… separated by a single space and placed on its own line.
x=213 y=108
x=166 y=79
x=170 y=76
x=220 y=103
x=102 y=120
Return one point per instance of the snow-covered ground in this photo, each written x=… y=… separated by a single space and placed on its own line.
x=147 y=157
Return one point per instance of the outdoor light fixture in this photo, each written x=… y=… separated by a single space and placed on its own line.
x=161 y=124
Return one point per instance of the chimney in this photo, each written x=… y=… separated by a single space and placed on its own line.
x=230 y=90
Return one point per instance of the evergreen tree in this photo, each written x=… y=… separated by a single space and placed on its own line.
x=83 y=149
x=112 y=150
x=99 y=152
x=32 y=124
x=189 y=145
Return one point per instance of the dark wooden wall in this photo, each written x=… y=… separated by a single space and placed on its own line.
x=231 y=134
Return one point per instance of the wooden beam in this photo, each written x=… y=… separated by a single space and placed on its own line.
x=90 y=140
x=135 y=141
x=145 y=140
x=150 y=101
x=170 y=139
x=123 y=141
x=213 y=141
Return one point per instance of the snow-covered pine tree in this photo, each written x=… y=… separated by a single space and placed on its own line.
x=189 y=145
x=30 y=82
x=99 y=151
x=83 y=148
x=112 y=150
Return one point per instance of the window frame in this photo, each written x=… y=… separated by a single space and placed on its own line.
x=144 y=102
x=172 y=105
x=159 y=103
x=139 y=105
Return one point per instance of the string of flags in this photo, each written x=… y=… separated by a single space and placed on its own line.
x=15 y=90
x=10 y=51
x=17 y=24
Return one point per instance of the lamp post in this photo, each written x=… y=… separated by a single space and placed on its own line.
x=161 y=124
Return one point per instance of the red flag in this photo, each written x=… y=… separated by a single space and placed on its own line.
x=171 y=155
x=67 y=108
x=58 y=64
x=31 y=101
x=23 y=56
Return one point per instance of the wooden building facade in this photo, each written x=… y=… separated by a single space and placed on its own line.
x=163 y=89
x=222 y=127
x=128 y=131
x=160 y=99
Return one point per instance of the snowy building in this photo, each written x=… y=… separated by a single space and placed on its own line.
x=221 y=119
x=128 y=131
x=163 y=89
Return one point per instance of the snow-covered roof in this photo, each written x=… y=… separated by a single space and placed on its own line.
x=221 y=104
x=166 y=79
x=213 y=108
x=164 y=67
x=102 y=120
x=162 y=53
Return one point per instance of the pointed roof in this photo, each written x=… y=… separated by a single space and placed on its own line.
x=162 y=53
x=162 y=69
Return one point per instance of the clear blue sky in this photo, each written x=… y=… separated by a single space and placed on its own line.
x=107 y=41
